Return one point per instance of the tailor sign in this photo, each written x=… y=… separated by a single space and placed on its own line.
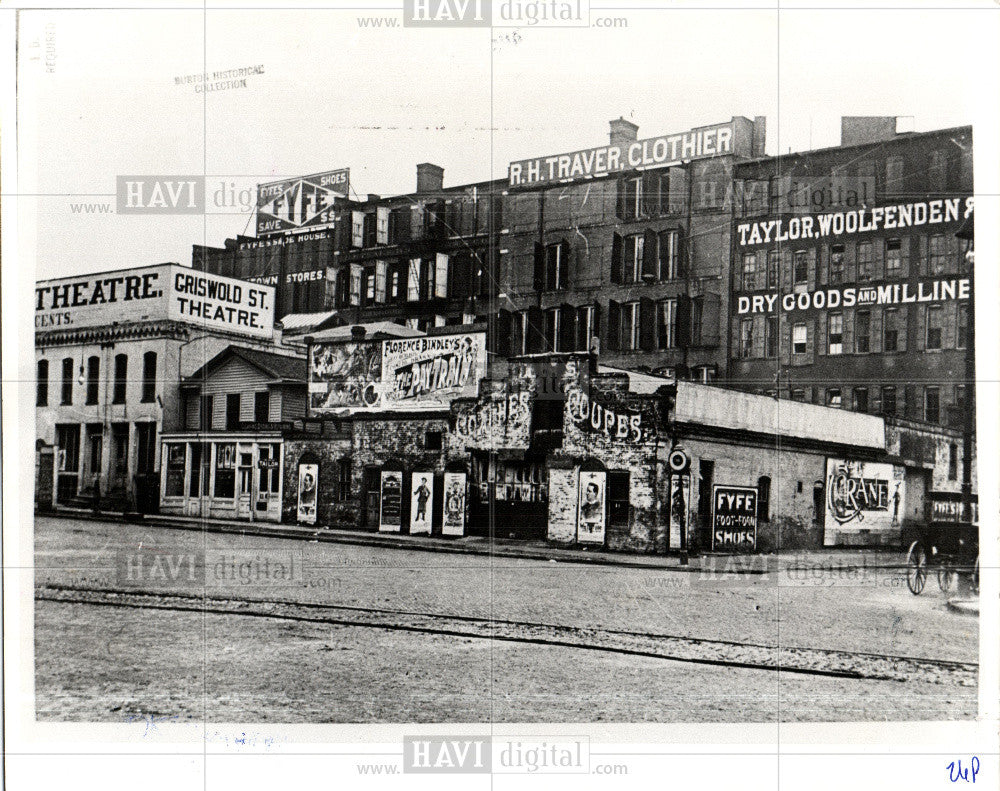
x=306 y=202
x=701 y=143
x=162 y=292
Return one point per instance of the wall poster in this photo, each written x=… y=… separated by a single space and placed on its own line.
x=421 y=502
x=308 y=482
x=592 y=511
x=391 y=502
x=454 y=504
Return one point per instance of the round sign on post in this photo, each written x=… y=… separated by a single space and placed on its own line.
x=678 y=460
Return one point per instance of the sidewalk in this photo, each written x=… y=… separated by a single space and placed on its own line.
x=874 y=558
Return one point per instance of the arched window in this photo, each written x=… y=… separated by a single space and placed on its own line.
x=148 y=377
x=42 y=384
x=93 y=378
x=121 y=377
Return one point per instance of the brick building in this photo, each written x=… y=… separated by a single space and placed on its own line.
x=850 y=288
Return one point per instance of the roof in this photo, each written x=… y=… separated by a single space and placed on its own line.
x=374 y=328
x=274 y=366
x=644 y=384
x=301 y=322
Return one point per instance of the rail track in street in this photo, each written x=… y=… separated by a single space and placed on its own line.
x=777 y=658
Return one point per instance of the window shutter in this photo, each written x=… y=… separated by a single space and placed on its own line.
x=850 y=262
x=812 y=268
x=923 y=260
x=595 y=327
x=617 y=251
x=821 y=327
x=441 y=276
x=684 y=338
x=567 y=328
x=810 y=340
x=647 y=324
x=784 y=340
x=878 y=259
x=413 y=280
x=678 y=190
x=876 y=333
x=614 y=325
x=848 y=330
x=904 y=323
x=683 y=253
x=904 y=256
x=620 y=203
x=538 y=281
x=536 y=330
x=921 y=326
x=381 y=269
x=357 y=229
x=503 y=331
x=822 y=266
x=564 y=256
x=649 y=253
x=711 y=329
x=417 y=227
x=785 y=273
x=651 y=194
x=382 y=220
x=950 y=318
x=757 y=344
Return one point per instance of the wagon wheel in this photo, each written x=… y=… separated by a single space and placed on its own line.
x=947 y=578
x=916 y=568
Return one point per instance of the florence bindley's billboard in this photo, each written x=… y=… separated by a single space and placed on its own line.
x=156 y=293
x=862 y=498
x=399 y=374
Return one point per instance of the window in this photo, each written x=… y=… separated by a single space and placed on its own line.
x=67 y=381
x=835 y=333
x=413 y=280
x=764 y=499
x=369 y=277
x=890 y=330
x=800 y=337
x=866 y=257
x=632 y=198
x=669 y=257
x=952 y=461
x=666 y=324
x=935 y=323
x=749 y=271
x=618 y=486
x=893 y=257
x=357 y=277
x=343 y=480
x=960 y=397
x=629 y=326
x=798 y=394
x=746 y=338
x=553 y=328
x=833 y=397
x=932 y=404
x=394 y=285
x=771 y=336
x=225 y=470
x=357 y=229
x=93 y=378
x=635 y=247
x=937 y=171
x=894 y=175
x=262 y=406
x=584 y=327
x=555 y=266
x=860 y=399
x=382 y=225
x=432 y=440
x=42 y=383
x=862 y=332
x=888 y=400
x=205 y=412
x=148 y=377
x=962 y=337
x=232 y=411
x=800 y=267
x=175 y=457
x=121 y=379
x=938 y=251
x=773 y=264
x=837 y=263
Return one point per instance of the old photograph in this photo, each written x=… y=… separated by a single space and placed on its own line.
x=502 y=362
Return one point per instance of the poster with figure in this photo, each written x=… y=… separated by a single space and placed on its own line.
x=391 y=502
x=591 y=516
x=454 y=504
x=308 y=482
x=421 y=502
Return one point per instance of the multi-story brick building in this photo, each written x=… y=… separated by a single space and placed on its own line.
x=849 y=286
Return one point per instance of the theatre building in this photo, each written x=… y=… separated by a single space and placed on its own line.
x=849 y=286
x=110 y=350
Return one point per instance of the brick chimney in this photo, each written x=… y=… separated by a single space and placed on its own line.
x=623 y=132
x=430 y=177
x=859 y=129
x=759 y=136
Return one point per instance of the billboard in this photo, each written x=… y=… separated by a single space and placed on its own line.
x=304 y=202
x=862 y=497
x=701 y=143
x=408 y=374
x=161 y=292
x=734 y=518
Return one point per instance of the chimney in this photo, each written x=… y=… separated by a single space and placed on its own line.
x=430 y=177
x=358 y=332
x=623 y=132
x=858 y=129
x=279 y=332
x=759 y=136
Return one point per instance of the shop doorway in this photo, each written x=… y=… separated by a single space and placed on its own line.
x=509 y=498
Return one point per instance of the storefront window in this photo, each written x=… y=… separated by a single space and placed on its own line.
x=225 y=470
x=175 y=470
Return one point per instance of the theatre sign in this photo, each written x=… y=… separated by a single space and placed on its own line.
x=661 y=151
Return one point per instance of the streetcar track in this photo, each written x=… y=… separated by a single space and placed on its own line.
x=808 y=661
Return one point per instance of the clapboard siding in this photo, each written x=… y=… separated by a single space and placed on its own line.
x=237 y=376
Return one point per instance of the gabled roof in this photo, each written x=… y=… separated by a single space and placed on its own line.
x=281 y=367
